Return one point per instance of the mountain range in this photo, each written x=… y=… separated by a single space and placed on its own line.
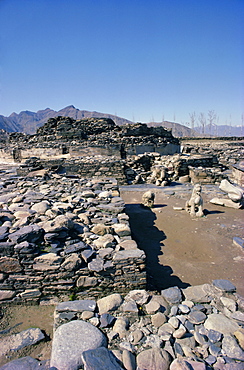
x=28 y=122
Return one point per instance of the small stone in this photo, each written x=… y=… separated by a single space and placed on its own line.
x=106 y=320
x=224 y=285
x=180 y=364
x=86 y=315
x=129 y=360
x=153 y=359
x=139 y=296
x=228 y=303
x=214 y=336
x=109 y=303
x=174 y=322
x=239 y=334
x=158 y=319
x=210 y=359
x=172 y=295
x=136 y=336
x=214 y=350
x=239 y=242
x=180 y=332
x=197 y=293
x=152 y=307
x=196 y=317
x=184 y=308
x=127 y=345
x=99 y=359
x=129 y=306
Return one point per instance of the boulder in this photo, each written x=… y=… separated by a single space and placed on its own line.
x=109 y=303
x=71 y=340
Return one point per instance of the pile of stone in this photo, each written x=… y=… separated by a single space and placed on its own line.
x=60 y=235
x=95 y=131
x=199 y=328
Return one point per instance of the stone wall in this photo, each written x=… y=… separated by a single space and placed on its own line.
x=65 y=236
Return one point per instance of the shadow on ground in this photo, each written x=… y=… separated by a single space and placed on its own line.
x=150 y=239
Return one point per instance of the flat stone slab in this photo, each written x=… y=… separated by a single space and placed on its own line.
x=26 y=363
x=71 y=340
x=6 y=294
x=239 y=242
x=128 y=254
x=221 y=323
x=77 y=306
x=224 y=285
x=100 y=359
x=23 y=339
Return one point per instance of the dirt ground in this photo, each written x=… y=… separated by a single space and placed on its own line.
x=180 y=250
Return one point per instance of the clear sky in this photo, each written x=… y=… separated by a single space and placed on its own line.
x=142 y=60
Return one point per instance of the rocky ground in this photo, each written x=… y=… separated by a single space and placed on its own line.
x=181 y=251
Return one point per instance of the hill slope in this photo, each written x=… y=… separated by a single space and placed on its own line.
x=29 y=122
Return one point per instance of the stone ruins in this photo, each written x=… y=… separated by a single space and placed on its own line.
x=65 y=240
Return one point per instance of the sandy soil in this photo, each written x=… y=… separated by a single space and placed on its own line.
x=182 y=250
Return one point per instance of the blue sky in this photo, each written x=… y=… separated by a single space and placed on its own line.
x=142 y=60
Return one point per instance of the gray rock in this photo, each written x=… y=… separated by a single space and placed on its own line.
x=71 y=340
x=231 y=349
x=129 y=306
x=198 y=293
x=100 y=359
x=140 y=296
x=239 y=242
x=153 y=359
x=128 y=254
x=214 y=336
x=77 y=306
x=224 y=285
x=18 y=341
x=172 y=295
x=41 y=207
x=122 y=229
x=109 y=303
x=220 y=323
x=180 y=364
x=129 y=360
x=7 y=294
x=196 y=317
x=26 y=363
x=97 y=264
x=31 y=233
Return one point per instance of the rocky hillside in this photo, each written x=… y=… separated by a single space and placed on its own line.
x=28 y=122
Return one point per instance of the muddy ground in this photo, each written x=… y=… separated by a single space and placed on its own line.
x=180 y=250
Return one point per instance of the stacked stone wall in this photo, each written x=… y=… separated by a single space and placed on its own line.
x=65 y=236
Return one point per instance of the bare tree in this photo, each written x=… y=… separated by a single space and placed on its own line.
x=211 y=118
x=193 y=119
x=242 y=124
x=202 y=121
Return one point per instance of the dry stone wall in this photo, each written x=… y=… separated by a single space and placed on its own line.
x=64 y=235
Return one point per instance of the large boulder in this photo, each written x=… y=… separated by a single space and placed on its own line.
x=71 y=340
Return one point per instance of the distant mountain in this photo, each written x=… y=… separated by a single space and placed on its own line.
x=222 y=130
x=28 y=122
x=178 y=130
